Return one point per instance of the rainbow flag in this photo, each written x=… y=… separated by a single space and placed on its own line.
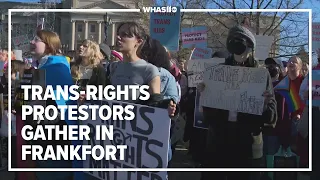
x=291 y=94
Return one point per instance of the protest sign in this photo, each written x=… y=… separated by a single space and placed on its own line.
x=198 y=115
x=194 y=36
x=147 y=140
x=201 y=53
x=316 y=88
x=315 y=36
x=165 y=28
x=196 y=69
x=263 y=46
x=234 y=88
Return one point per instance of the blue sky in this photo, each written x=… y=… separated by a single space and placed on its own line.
x=315 y=6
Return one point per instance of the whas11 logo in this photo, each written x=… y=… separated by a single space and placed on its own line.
x=164 y=9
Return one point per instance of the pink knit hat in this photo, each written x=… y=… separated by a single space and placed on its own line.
x=116 y=54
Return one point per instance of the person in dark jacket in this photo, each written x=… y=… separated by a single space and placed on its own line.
x=274 y=137
x=235 y=139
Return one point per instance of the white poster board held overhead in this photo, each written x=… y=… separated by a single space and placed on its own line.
x=263 y=46
x=235 y=88
x=196 y=68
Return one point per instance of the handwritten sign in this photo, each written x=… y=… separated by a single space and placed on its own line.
x=196 y=69
x=315 y=36
x=147 y=140
x=194 y=36
x=235 y=88
x=198 y=115
x=263 y=46
x=202 y=53
x=165 y=28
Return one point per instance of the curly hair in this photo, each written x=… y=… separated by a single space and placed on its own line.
x=94 y=55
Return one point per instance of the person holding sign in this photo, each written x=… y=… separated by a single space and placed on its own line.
x=235 y=138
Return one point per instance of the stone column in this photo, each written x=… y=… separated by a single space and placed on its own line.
x=73 y=34
x=85 y=29
x=99 y=31
x=113 y=34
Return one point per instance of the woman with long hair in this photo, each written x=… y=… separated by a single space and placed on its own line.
x=87 y=69
x=133 y=69
x=156 y=54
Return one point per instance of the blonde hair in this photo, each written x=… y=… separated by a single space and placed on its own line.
x=5 y=56
x=300 y=63
x=94 y=55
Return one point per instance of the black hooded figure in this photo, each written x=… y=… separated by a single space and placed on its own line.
x=235 y=139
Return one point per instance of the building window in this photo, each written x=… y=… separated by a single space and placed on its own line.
x=92 y=28
x=80 y=28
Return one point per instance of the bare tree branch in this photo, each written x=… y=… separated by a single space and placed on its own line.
x=288 y=28
x=285 y=16
x=251 y=7
x=234 y=7
x=276 y=27
x=268 y=4
x=273 y=19
x=219 y=5
x=293 y=46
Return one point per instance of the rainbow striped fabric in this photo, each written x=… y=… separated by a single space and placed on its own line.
x=291 y=94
